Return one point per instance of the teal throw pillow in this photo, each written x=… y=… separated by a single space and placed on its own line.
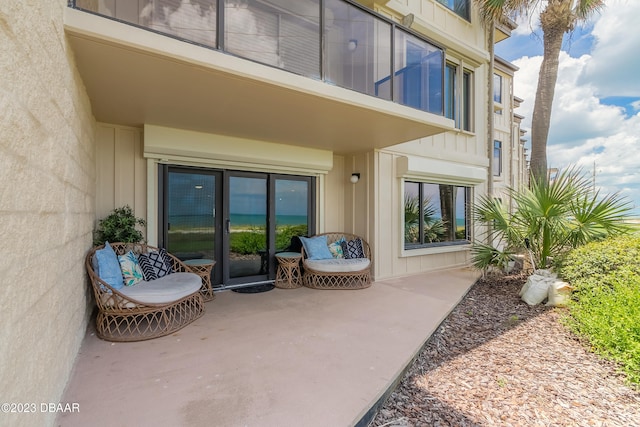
x=316 y=247
x=131 y=271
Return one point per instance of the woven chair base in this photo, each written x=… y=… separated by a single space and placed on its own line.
x=319 y=280
x=139 y=325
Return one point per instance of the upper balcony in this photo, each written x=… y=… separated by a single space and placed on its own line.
x=326 y=74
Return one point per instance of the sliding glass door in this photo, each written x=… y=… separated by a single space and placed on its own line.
x=239 y=219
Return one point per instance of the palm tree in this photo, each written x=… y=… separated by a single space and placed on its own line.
x=553 y=217
x=557 y=18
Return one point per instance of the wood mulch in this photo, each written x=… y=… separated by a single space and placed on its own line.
x=495 y=361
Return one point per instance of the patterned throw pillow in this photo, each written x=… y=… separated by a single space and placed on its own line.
x=131 y=271
x=353 y=249
x=336 y=248
x=154 y=265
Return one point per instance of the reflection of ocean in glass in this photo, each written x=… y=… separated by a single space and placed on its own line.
x=197 y=221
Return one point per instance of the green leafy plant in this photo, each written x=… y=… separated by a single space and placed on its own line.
x=485 y=256
x=553 y=217
x=119 y=226
x=605 y=306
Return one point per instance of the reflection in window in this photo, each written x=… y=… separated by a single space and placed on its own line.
x=461 y=7
x=497 y=88
x=292 y=211
x=497 y=158
x=193 y=20
x=358 y=49
x=285 y=37
x=435 y=213
x=418 y=73
x=457 y=101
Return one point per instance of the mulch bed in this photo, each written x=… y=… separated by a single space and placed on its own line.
x=495 y=361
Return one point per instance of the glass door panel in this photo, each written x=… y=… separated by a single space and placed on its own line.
x=191 y=214
x=247 y=227
x=292 y=211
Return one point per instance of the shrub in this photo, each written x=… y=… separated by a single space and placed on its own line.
x=605 y=309
x=119 y=226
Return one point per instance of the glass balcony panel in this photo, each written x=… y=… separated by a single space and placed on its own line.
x=358 y=49
x=193 y=20
x=418 y=73
x=280 y=33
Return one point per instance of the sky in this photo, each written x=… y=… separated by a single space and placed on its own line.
x=595 y=120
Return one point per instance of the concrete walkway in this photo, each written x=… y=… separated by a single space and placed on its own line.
x=287 y=357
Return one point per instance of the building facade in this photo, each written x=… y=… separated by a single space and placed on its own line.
x=226 y=122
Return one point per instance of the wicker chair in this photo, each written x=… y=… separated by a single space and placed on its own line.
x=314 y=278
x=122 y=318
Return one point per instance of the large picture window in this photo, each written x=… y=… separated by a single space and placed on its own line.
x=435 y=214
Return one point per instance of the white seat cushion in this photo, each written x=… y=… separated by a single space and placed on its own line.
x=338 y=265
x=166 y=289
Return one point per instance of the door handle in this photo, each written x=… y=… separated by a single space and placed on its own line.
x=228 y=226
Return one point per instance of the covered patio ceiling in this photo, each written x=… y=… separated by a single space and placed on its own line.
x=134 y=77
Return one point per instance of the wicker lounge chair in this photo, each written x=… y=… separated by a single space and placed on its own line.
x=133 y=313
x=338 y=273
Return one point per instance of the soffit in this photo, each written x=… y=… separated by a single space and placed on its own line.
x=135 y=77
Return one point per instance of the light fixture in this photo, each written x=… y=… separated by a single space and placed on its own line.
x=199 y=187
x=352 y=45
x=355 y=177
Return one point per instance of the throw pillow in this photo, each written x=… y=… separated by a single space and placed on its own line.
x=336 y=248
x=153 y=265
x=131 y=271
x=353 y=249
x=316 y=247
x=109 y=267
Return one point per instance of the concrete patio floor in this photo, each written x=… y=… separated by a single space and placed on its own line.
x=287 y=357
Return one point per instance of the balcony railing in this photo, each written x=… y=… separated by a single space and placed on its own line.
x=336 y=41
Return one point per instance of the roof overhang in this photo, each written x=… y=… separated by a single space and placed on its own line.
x=134 y=77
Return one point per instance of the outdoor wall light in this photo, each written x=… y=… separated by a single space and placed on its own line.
x=352 y=45
x=355 y=177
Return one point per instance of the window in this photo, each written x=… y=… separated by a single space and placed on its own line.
x=497 y=158
x=461 y=7
x=454 y=97
x=435 y=214
x=497 y=88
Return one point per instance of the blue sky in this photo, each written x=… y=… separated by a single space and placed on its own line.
x=596 y=111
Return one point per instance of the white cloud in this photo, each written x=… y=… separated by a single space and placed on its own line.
x=584 y=130
x=614 y=69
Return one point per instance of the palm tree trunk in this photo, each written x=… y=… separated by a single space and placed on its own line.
x=541 y=118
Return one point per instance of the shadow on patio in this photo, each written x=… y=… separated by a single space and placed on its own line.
x=281 y=358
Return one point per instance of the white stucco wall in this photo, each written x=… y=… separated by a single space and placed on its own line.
x=47 y=171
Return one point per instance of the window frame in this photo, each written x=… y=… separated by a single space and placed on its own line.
x=497 y=160
x=458 y=96
x=422 y=244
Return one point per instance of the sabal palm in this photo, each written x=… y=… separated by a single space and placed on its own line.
x=552 y=217
x=557 y=18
